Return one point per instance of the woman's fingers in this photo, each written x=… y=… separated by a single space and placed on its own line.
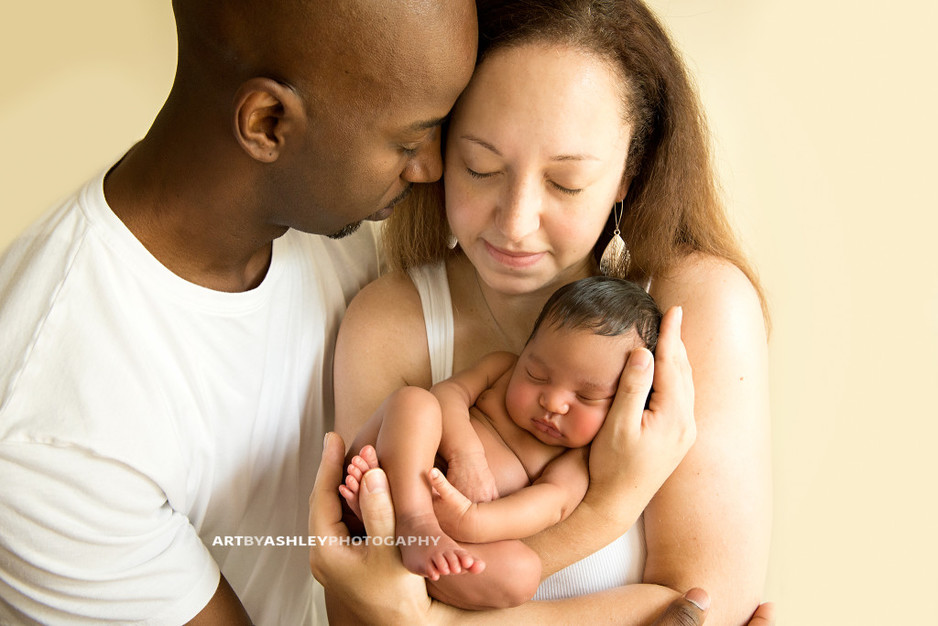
x=672 y=369
x=625 y=415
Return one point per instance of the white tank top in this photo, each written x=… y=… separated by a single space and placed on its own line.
x=622 y=562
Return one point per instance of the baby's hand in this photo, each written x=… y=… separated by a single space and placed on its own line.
x=471 y=476
x=454 y=511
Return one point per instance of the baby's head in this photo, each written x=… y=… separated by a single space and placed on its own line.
x=568 y=373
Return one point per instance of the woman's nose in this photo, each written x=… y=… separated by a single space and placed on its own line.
x=520 y=212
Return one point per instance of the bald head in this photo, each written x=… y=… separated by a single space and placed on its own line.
x=329 y=110
x=305 y=43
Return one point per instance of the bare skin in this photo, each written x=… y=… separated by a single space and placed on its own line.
x=441 y=556
x=532 y=417
x=396 y=596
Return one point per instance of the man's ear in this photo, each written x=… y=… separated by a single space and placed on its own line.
x=267 y=115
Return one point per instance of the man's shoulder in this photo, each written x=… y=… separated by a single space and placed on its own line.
x=350 y=262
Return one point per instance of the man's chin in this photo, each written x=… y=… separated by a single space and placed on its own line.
x=345 y=231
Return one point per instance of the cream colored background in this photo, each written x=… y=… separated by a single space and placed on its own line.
x=824 y=118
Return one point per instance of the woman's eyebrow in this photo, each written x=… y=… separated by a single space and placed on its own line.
x=482 y=143
x=558 y=157
x=574 y=157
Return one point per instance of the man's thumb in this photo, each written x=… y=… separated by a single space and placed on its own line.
x=377 y=508
x=691 y=610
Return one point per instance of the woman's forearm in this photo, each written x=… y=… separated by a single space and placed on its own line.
x=628 y=605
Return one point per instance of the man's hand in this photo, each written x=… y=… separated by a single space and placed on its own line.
x=368 y=581
x=691 y=610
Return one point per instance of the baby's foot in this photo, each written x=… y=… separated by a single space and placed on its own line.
x=366 y=459
x=428 y=551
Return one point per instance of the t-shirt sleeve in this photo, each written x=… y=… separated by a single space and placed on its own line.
x=87 y=539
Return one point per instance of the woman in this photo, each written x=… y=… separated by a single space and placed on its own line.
x=580 y=123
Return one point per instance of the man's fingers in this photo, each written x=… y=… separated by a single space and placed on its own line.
x=764 y=615
x=377 y=508
x=691 y=610
x=325 y=508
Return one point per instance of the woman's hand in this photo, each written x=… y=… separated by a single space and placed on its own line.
x=637 y=448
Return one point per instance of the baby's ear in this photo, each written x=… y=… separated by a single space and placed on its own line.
x=267 y=114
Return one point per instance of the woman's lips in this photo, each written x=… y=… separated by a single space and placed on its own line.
x=546 y=428
x=518 y=260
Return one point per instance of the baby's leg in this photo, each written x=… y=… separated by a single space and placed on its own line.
x=407 y=445
x=406 y=430
x=512 y=574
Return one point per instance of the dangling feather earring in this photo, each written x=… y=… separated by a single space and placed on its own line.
x=616 y=257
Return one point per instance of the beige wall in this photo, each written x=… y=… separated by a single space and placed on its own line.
x=824 y=118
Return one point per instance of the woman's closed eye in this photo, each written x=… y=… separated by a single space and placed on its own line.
x=566 y=190
x=480 y=175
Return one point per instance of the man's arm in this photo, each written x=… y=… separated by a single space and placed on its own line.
x=90 y=539
x=223 y=608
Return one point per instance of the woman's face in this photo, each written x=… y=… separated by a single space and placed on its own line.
x=534 y=162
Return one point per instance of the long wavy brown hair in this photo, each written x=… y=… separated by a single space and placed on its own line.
x=673 y=206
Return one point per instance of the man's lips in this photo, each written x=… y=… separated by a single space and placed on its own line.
x=389 y=209
x=511 y=258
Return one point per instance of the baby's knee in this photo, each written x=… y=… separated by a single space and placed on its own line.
x=411 y=400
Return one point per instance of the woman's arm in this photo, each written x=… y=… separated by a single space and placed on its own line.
x=381 y=347
x=710 y=523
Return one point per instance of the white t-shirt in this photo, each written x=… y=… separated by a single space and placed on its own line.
x=150 y=428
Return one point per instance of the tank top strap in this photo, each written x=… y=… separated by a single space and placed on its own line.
x=433 y=286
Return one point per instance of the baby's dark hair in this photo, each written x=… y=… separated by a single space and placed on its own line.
x=604 y=305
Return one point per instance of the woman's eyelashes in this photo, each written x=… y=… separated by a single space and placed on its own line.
x=480 y=175
x=566 y=190
x=484 y=175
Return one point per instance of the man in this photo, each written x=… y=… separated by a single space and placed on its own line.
x=168 y=331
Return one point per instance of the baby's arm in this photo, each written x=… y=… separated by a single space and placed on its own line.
x=549 y=500
x=468 y=468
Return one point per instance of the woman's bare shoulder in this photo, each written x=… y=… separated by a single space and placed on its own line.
x=389 y=297
x=384 y=326
x=719 y=302
x=707 y=283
